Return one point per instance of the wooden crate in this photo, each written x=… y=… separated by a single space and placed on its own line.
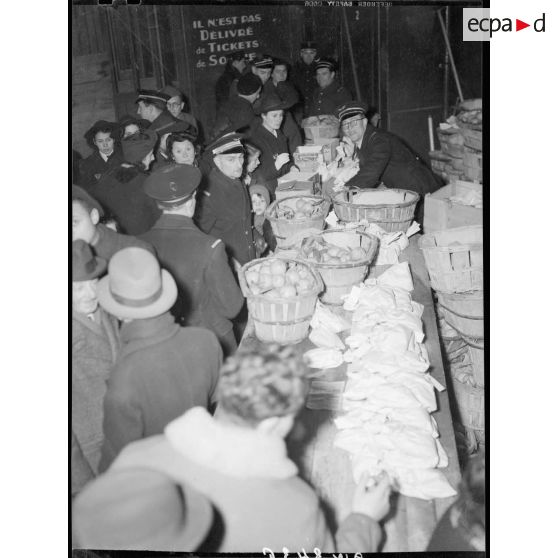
x=441 y=213
x=454 y=259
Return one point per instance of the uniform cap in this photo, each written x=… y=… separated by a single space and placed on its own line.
x=150 y=95
x=325 y=63
x=308 y=45
x=263 y=61
x=352 y=108
x=172 y=183
x=229 y=143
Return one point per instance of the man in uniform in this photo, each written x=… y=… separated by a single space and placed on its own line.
x=208 y=293
x=234 y=70
x=383 y=157
x=225 y=210
x=152 y=106
x=329 y=93
x=304 y=74
x=238 y=112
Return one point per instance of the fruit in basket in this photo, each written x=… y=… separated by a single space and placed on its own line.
x=278 y=267
x=278 y=281
x=358 y=254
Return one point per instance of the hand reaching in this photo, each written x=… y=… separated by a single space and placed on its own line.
x=372 y=499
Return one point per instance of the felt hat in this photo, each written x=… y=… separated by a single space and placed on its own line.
x=138 y=508
x=261 y=190
x=97 y=127
x=150 y=95
x=263 y=61
x=182 y=127
x=248 y=84
x=136 y=287
x=325 y=63
x=86 y=266
x=172 y=183
x=270 y=102
x=227 y=143
x=308 y=45
x=171 y=92
x=80 y=194
x=352 y=108
x=137 y=146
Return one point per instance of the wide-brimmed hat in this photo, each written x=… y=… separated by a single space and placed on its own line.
x=140 y=509
x=138 y=145
x=270 y=102
x=110 y=127
x=86 y=266
x=136 y=287
x=78 y=193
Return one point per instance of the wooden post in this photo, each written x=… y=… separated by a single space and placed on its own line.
x=448 y=47
x=351 y=55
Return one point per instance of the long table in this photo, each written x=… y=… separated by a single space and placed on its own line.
x=411 y=521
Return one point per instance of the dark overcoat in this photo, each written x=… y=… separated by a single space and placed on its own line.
x=326 y=100
x=209 y=295
x=162 y=371
x=94 y=167
x=109 y=242
x=225 y=212
x=121 y=194
x=94 y=352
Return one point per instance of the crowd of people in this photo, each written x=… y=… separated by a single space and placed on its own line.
x=178 y=435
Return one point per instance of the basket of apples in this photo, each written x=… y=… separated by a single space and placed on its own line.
x=281 y=295
x=341 y=257
x=294 y=215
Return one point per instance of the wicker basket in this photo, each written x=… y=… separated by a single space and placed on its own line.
x=454 y=259
x=281 y=320
x=391 y=217
x=285 y=229
x=464 y=312
x=472 y=138
x=476 y=354
x=340 y=278
x=470 y=405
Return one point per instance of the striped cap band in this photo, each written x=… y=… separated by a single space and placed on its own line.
x=350 y=111
x=234 y=144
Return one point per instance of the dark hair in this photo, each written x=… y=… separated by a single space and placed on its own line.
x=90 y=137
x=178 y=137
x=161 y=105
x=260 y=383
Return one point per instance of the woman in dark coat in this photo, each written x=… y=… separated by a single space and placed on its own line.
x=120 y=191
x=275 y=159
x=102 y=139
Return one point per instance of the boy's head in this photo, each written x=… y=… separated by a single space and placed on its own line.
x=260 y=198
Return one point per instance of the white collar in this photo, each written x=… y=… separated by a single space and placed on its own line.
x=105 y=157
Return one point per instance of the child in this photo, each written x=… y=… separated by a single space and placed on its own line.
x=263 y=234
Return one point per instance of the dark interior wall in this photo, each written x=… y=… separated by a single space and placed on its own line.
x=399 y=54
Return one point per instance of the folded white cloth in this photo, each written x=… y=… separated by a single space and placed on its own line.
x=398 y=275
x=324 y=317
x=323 y=358
x=322 y=337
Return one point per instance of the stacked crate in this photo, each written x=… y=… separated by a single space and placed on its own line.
x=460 y=154
x=454 y=259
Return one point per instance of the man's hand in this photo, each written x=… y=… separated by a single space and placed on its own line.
x=281 y=159
x=372 y=499
x=348 y=146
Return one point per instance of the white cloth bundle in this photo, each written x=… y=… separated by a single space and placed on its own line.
x=323 y=358
x=324 y=317
x=388 y=363
x=398 y=275
x=322 y=337
x=423 y=483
